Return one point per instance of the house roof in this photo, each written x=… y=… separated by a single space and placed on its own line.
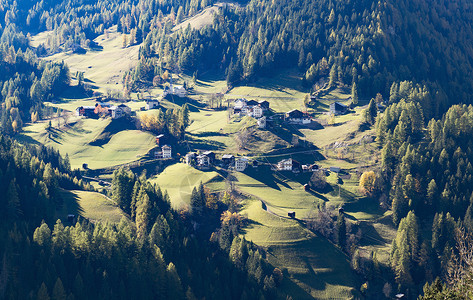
x=160 y=136
x=166 y=147
x=86 y=107
x=208 y=153
x=225 y=156
x=295 y=113
x=338 y=105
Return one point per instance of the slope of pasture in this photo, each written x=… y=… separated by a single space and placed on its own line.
x=213 y=131
x=103 y=68
x=315 y=268
x=281 y=195
x=179 y=180
x=203 y=18
x=91 y=205
x=283 y=91
x=123 y=147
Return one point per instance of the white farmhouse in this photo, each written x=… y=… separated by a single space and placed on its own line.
x=167 y=151
x=256 y=111
x=241 y=163
x=119 y=111
x=176 y=90
x=152 y=104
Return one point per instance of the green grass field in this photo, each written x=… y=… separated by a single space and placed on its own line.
x=315 y=268
x=104 y=68
x=123 y=147
x=90 y=205
x=179 y=180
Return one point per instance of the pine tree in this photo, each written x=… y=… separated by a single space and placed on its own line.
x=58 y=291
x=354 y=94
x=341 y=230
x=43 y=293
x=143 y=213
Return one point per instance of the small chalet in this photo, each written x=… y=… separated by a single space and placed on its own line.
x=297 y=117
x=241 y=163
x=86 y=111
x=261 y=122
x=310 y=168
x=152 y=104
x=239 y=106
x=176 y=90
x=190 y=158
x=255 y=111
x=119 y=111
x=338 y=108
x=210 y=155
x=203 y=161
x=291 y=214
x=228 y=159
x=167 y=151
x=288 y=165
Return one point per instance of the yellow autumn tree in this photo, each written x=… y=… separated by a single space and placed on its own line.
x=368 y=183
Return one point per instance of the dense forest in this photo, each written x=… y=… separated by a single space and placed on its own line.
x=154 y=255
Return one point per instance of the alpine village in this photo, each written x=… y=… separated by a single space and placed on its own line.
x=240 y=149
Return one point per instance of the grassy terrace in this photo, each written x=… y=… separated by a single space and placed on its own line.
x=124 y=146
x=90 y=205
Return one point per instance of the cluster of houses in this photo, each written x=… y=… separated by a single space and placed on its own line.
x=207 y=159
x=252 y=108
x=290 y=164
x=175 y=90
x=104 y=109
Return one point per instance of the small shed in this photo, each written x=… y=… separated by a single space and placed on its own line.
x=159 y=139
x=291 y=214
x=71 y=218
x=306 y=187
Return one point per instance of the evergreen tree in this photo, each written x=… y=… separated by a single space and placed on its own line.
x=58 y=291
x=354 y=94
x=43 y=293
x=341 y=230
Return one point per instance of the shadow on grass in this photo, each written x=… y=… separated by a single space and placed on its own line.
x=370 y=235
x=324 y=265
x=199 y=144
x=264 y=175
x=22 y=138
x=207 y=134
x=115 y=126
x=70 y=205
x=73 y=92
x=194 y=105
x=366 y=205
